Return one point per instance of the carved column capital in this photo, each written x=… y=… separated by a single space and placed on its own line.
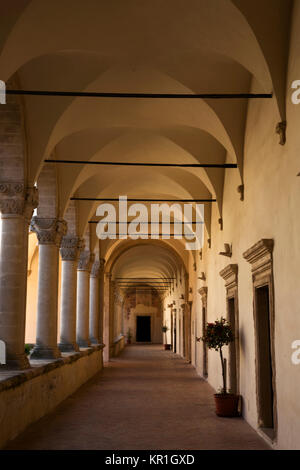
x=71 y=247
x=16 y=199
x=86 y=259
x=48 y=231
x=95 y=271
x=102 y=263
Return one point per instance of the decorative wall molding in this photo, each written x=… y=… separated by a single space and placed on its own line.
x=230 y=275
x=48 y=231
x=260 y=256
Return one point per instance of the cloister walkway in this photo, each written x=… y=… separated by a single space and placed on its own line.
x=147 y=398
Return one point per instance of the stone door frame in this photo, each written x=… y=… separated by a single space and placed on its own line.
x=260 y=256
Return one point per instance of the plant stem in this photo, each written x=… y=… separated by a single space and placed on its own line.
x=223 y=371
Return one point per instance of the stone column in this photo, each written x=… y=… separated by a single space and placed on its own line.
x=94 y=304
x=82 y=311
x=69 y=250
x=101 y=299
x=106 y=316
x=49 y=233
x=16 y=206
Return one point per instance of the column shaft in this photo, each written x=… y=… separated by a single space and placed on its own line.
x=16 y=206
x=68 y=306
x=82 y=316
x=94 y=310
x=13 y=282
x=49 y=233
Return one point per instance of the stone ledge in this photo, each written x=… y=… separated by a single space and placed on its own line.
x=14 y=378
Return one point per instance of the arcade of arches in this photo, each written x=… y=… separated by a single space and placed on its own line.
x=75 y=297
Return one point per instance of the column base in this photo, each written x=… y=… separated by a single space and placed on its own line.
x=94 y=341
x=17 y=362
x=40 y=352
x=83 y=343
x=68 y=347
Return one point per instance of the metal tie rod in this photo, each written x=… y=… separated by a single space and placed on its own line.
x=139 y=199
x=95 y=94
x=143 y=222
x=177 y=165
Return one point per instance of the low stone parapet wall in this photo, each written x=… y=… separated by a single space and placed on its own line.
x=26 y=396
x=118 y=345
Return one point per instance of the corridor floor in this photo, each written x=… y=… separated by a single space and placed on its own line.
x=146 y=398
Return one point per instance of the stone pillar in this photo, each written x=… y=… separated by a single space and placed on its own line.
x=101 y=299
x=94 y=304
x=82 y=310
x=106 y=316
x=69 y=250
x=16 y=206
x=49 y=233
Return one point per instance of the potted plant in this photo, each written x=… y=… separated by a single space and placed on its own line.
x=164 y=329
x=129 y=336
x=217 y=335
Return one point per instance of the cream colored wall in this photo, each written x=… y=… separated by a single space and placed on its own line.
x=270 y=208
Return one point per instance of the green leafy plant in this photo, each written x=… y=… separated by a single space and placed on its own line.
x=28 y=348
x=217 y=335
x=164 y=329
x=129 y=335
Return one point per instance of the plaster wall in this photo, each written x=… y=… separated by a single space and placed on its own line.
x=272 y=197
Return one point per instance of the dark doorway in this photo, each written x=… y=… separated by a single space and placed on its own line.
x=264 y=359
x=143 y=329
x=233 y=363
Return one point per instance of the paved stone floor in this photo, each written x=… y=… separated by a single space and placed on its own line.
x=146 y=398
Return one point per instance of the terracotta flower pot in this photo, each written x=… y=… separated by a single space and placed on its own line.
x=226 y=404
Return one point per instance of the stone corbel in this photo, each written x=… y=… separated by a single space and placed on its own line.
x=228 y=250
x=240 y=190
x=281 y=130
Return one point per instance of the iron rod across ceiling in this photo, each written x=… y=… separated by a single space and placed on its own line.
x=147 y=278
x=143 y=222
x=137 y=199
x=95 y=94
x=177 y=165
